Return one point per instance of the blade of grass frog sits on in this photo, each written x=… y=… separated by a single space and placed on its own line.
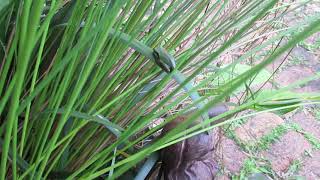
x=193 y=158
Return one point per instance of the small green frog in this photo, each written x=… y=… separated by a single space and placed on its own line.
x=165 y=60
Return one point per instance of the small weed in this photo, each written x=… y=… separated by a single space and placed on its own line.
x=317 y=114
x=251 y=166
x=294 y=167
x=238 y=123
x=273 y=136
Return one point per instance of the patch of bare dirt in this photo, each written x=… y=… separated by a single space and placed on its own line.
x=289 y=148
x=258 y=126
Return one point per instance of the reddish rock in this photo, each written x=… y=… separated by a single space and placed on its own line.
x=294 y=74
x=229 y=155
x=311 y=167
x=289 y=148
x=258 y=126
x=307 y=122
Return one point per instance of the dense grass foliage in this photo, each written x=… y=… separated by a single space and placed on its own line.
x=72 y=75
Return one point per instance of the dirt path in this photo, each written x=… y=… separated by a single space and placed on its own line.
x=281 y=147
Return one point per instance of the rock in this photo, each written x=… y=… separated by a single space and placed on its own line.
x=289 y=148
x=294 y=74
x=189 y=159
x=311 y=167
x=229 y=155
x=307 y=122
x=257 y=127
x=192 y=158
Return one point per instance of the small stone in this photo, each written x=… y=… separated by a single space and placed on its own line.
x=257 y=127
x=289 y=148
x=229 y=155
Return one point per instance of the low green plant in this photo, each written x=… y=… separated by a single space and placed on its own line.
x=294 y=167
x=275 y=134
x=317 y=113
x=251 y=168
